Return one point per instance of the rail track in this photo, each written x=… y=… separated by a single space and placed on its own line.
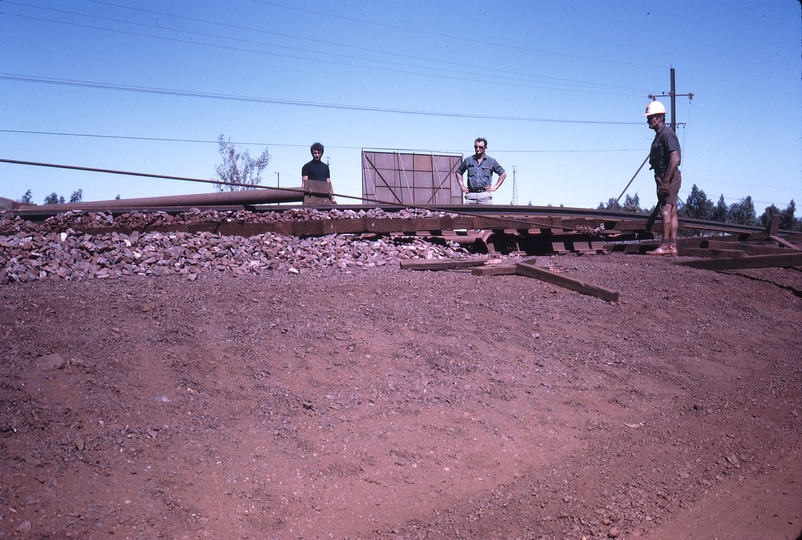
x=502 y=229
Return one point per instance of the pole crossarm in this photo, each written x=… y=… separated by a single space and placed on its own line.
x=673 y=95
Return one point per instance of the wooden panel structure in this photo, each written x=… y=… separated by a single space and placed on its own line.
x=410 y=178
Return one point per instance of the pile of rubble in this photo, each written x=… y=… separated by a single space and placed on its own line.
x=53 y=249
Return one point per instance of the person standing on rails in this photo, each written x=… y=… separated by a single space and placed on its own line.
x=665 y=158
x=316 y=169
x=480 y=167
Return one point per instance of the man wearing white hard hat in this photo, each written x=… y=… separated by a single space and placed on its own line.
x=665 y=158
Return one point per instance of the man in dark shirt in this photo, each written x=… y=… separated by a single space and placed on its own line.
x=316 y=169
x=480 y=167
x=665 y=157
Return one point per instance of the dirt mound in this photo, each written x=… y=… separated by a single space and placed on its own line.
x=369 y=402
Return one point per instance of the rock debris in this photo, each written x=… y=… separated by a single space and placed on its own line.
x=57 y=249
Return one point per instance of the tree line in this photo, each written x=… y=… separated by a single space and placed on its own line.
x=698 y=206
x=54 y=198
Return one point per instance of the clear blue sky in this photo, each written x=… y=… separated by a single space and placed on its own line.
x=558 y=89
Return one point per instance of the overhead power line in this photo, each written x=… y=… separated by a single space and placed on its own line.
x=452 y=36
x=540 y=78
x=209 y=141
x=256 y=99
x=219 y=182
x=432 y=71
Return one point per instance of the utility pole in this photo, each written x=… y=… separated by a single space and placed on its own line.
x=673 y=94
x=278 y=179
x=514 y=186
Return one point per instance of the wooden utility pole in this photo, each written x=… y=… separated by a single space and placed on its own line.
x=673 y=94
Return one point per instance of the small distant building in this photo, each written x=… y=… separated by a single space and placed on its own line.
x=410 y=178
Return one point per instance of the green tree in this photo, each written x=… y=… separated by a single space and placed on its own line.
x=770 y=211
x=612 y=204
x=697 y=205
x=77 y=196
x=53 y=198
x=632 y=204
x=28 y=198
x=743 y=212
x=238 y=167
x=720 y=210
x=787 y=219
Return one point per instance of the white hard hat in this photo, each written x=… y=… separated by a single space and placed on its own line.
x=655 y=107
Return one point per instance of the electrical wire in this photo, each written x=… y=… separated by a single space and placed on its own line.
x=458 y=37
x=257 y=186
x=255 y=99
x=201 y=141
x=366 y=49
x=434 y=72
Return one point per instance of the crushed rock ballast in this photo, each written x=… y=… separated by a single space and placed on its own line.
x=53 y=249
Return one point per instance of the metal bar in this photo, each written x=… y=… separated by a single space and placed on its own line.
x=243 y=197
x=653 y=217
x=633 y=178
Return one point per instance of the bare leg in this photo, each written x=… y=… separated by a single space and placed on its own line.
x=668 y=245
x=670 y=226
x=665 y=214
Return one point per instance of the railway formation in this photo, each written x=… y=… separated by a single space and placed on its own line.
x=97 y=239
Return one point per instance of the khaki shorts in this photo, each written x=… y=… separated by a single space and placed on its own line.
x=481 y=197
x=673 y=188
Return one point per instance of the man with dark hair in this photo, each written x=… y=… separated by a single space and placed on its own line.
x=316 y=169
x=665 y=157
x=480 y=167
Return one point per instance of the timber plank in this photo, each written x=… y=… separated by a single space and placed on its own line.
x=773 y=226
x=241 y=229
x=308 y=228
x=196 y=228
x=284 y=228
x=500 y=270
x=345 y=226
x=530 y=270
x=387 y=225
x=784 y=242
x=750 y=249
x=439 y=264
x=711 y=253
x=756 y=261
x=630 y=224
x=428 y=224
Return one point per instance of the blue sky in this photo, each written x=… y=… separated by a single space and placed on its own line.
x=557 y=88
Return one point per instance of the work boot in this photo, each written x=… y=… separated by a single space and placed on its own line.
x=663 y=250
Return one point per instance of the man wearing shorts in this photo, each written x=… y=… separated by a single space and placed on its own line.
x=665 y=158
x=480 y=168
